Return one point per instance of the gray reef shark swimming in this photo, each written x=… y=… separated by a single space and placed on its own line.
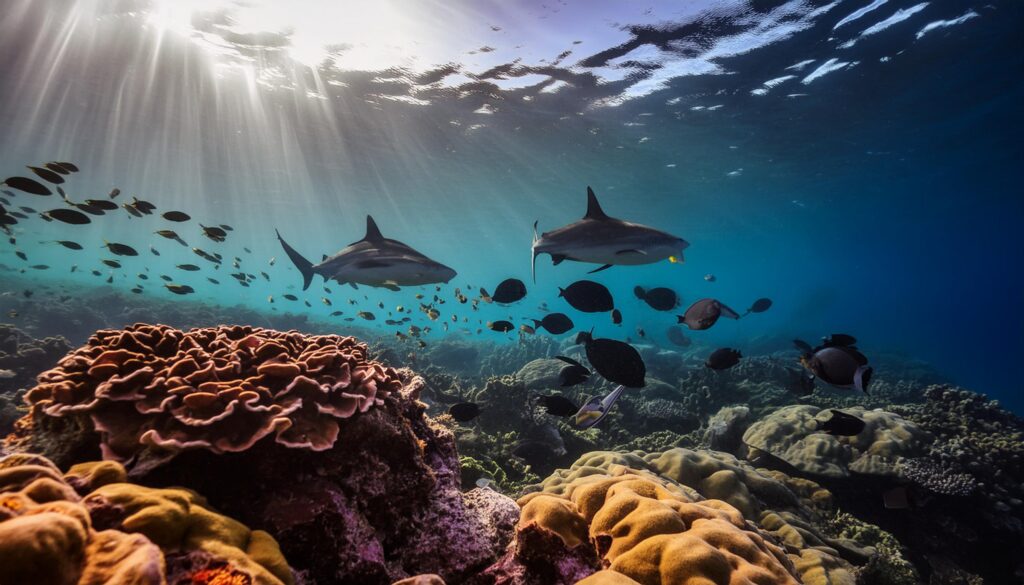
x=600 y=239
x=373 y=261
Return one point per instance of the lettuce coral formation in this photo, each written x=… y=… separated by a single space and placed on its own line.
x=219 y=388
x=120 y=532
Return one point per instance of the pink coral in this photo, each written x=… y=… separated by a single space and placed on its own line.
x=219 y=388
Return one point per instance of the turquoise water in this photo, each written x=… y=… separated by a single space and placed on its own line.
x=873 y=190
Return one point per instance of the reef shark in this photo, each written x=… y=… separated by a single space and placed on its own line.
x=373 y=261
x=600 y=239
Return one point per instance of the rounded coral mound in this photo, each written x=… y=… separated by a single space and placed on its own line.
x=120 y=532
x=220 y=388
x=653 y=534
x=793 y=434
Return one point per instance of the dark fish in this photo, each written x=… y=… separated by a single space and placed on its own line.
x=17 y=215
x=226 y=227
x=21 y=255
x=206 y=255
x=571 y=374
x=27 y=209
x=131 y=210
x=137 y=290
x=110 y=279
x=166 y=278
x=56 y=168
x=120 y=249
x=842 y=424
x=143 y=206
x=616 y=317
x=676 y=336
x=659 y=299
x=47 y=175
x=616 y=361
x=843 y=367
x=68 y=166
x=40 y=267
x=96 y=273
x=759 y=306
x=290 y=297
x=464 y=411
x=171 y=235
x=367 y=315
x=509 y=291
x=500 y=326
x=556 y=405
x=188 y=267
x=112 y=263
x=66 y=216
x=554 y=323
x=705 y=313
x=535 y=453
x=142 y=276
x=104 y=204
x=154 y=251
x=180 y=289
x=27 y=185
x=69 y=244
x=214 y=233
x=114 y=193
x=588 y=296
x=723 y=359
x=176 y=216
x=213 y=280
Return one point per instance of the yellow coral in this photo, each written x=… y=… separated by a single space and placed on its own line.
x=46 y=532
x=177 y=519
x=653 y=534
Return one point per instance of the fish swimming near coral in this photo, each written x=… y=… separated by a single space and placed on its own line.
x=596 y=409
x=571 y=374
x=843 y=424
x=604 y=240
x=658 y=298
x=837 y=361
x=374 y=261
x=615 y=361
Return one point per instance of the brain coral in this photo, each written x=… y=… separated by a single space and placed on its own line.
x=792 y=434
x=654 y=535
x=120 y=532
x=221 y=389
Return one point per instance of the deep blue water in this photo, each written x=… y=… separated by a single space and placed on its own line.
x=881 y=199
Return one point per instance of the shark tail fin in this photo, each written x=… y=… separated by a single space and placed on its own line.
x=304 y=266
x=533 y=251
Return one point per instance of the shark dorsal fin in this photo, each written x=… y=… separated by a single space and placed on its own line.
x=594 y=210
x=372 y=231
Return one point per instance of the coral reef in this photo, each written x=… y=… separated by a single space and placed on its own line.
x=347 y=472
x=109 y=531
x=792 y=435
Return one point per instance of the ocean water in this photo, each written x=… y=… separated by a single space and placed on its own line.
x=858 y=163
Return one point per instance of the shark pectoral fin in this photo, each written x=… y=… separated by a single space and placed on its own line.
x=605 y=267
x=630 y=251
x=557 y=259
x=353 y=285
